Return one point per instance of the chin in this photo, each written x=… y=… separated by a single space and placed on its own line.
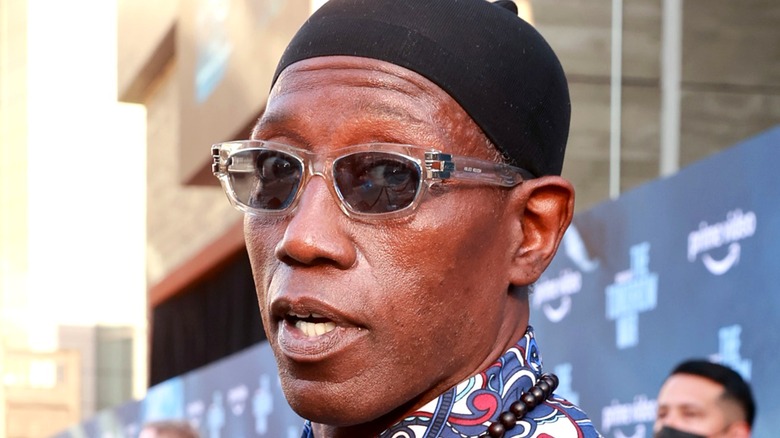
x=319 y=403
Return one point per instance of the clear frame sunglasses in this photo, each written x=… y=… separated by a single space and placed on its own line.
x=371 y=181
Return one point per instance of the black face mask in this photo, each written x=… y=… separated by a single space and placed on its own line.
x=668 y=432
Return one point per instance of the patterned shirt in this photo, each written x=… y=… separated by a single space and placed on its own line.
x=467 y=409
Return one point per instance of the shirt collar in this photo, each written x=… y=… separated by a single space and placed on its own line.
x=466 y=407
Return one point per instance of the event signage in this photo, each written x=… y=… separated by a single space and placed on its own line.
x=682 y=267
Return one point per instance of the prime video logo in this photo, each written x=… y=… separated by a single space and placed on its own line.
x=567 y=283
x=632 y=415
x=736 y=227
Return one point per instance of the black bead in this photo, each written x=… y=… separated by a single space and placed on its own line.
x=538 y=393
x=529 y=400
x=508 y=420
x=553 y=380
x=519 y=409
x=496 y=430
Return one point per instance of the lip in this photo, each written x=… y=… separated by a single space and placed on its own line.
x=294 y=344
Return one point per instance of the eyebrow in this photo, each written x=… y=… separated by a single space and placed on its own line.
x=274 y=119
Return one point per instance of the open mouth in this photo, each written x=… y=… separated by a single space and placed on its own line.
x=310 y=324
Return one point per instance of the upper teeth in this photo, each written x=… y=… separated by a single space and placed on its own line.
x=311 y=329
x=304 y=315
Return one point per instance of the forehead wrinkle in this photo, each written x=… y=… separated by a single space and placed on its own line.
x=446 y=115
x=378 y=69
x=388 y=112
x=370 y=74
x=382 y=110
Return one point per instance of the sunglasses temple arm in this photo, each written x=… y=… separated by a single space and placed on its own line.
x=473 y=169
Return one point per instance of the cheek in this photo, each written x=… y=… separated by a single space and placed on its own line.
x=461 y=244
x=440 y=262
x=430 y=291
x=261 y=240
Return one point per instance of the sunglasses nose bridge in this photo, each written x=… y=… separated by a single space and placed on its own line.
x=317 y=165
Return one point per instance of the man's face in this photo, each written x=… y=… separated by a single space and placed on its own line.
x=694 y=404
x=367 y=317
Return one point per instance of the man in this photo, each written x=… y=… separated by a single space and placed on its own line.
x=402 y=192
x=704 y=399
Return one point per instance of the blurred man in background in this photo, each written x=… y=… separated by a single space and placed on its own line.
x=701 y=399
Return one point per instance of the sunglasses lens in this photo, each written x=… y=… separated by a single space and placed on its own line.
x=377 y=182
x=265 y=179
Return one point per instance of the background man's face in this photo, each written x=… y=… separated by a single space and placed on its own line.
x=398 y=302
x=693 y=404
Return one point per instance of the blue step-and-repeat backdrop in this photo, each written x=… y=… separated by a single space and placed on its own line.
x=687 y=266
x=682 y=267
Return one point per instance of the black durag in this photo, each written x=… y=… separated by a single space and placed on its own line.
x=494 y=64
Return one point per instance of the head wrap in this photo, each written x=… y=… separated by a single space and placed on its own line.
x=495 y=65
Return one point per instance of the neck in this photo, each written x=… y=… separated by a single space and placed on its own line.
x=514 y=322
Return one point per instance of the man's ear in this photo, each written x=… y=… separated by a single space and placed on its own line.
x=544 y=208
x=739 y=429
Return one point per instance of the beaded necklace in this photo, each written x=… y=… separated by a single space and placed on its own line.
x=541 y=391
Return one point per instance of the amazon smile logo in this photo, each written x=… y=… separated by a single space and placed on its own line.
x=560 y=289
x=737 y=226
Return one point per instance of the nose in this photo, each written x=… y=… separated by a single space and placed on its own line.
x=670 y=420
x=318 y=231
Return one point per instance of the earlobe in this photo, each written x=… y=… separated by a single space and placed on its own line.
x=544 y=208
x=740 y=429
